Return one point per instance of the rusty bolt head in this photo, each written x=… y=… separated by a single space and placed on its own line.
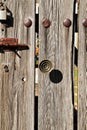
x=67 y=22
x=27 y=22
x=46 y=23
x=84 y=22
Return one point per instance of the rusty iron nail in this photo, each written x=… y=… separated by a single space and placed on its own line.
x=84 y=22
x=27 y=22
x=46 y=23
x=67 y=22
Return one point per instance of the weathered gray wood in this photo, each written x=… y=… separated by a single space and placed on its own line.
x=82 y=68
x=55 y=100
x=16 y=95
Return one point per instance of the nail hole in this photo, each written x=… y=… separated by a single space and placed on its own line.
x=24 y=79
x=56 y=76
x=6 y=68
x=2 y=30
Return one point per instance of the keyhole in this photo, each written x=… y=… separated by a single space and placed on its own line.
x=56 y=76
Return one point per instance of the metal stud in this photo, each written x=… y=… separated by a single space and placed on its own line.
x=67 y=22
x=27 y=22
x=46 y=23
x=84 y=22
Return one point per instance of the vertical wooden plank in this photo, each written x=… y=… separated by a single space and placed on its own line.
x=55 y=87
x=82 y=68
x=17 y=85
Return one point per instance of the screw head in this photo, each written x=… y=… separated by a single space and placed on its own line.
x=46 y=23
x=67 y=22
x=27 y=22
x=84 y=22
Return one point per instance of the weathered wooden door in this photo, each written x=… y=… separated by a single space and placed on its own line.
x=17 y=68
x=82 y=67
x=55 y=83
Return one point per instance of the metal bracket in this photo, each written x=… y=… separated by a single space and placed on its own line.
x=11 y=44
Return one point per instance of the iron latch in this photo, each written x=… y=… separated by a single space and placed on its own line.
x=11 y=44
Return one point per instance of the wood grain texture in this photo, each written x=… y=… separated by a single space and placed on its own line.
x=16 y=95
x=82 y=68
x=55 y=100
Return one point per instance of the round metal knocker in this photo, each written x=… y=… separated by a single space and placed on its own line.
x=45 y=66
